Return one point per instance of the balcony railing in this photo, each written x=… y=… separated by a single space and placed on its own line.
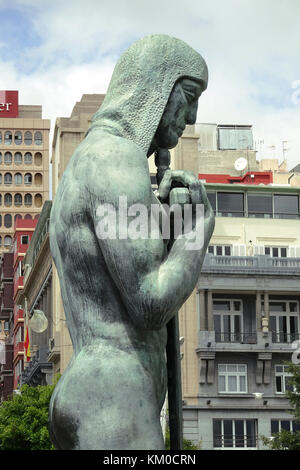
x=251 y=264
x=238 y=441
x=19 y=349
x=282 y=337
x=19 y=316
x=241 y=338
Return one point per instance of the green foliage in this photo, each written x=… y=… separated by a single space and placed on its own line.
x=187 y=444
x=294 y=395
x=24 y=419
x=285 y=440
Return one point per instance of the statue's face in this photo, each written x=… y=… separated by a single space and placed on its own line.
x=180 y=110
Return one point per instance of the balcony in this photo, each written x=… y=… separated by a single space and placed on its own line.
x=284 y=338
x=19 y=349
x=19 y=284
x=241 y=338
x=19 y=317
x=39 y=370
x=259 y=264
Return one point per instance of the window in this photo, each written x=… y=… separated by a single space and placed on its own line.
x=20 y=335
x=284 y=321
x=260 y=205
x=7 y=220
x=24 y=239
x=38 y=179
x=0 y=178
x=38 y=138
x=28 y=158
x=235 y=137
x=7 y=240
x=7 y=199
x=7 y=178
x=18 y=158
x=232 y=378
x=18 y=199
x=0 y=199
x=28 y=200
x=18 y=138
x=219 y=250
x=8 y=158
x=0 y=157
x=18 y=216
x=18 y=178
x=38 y=159
x=28 y=178
x=230 y=204
x=278 y=425
x=227 y=320
x=8 y=137
x=282 y=377
x=211 y=196
x=286 y=206
x=276 y=251
x=0 y=240
x=18 y=369
x=28 y=217
x=235 y=433
x=0 y=137
x=38 y=200
x=28 y=138
x=0 y=220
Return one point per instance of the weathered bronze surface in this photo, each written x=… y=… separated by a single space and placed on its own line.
x=119 y=294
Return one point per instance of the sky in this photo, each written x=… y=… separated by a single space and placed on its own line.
x=53 y=51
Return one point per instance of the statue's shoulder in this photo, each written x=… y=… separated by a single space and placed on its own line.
x=113 y=149
x=112 y=164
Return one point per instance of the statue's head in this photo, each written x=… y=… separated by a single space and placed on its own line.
x=181 y=109
x=153 y=91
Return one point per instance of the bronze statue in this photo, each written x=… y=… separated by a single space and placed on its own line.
x=120 y=293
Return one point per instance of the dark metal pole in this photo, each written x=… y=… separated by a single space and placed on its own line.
x=174 y=385
x=162 y=161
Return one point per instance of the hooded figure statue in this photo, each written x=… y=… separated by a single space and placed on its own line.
x=119 y=290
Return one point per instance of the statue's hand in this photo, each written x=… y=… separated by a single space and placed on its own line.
x=197 y=195
x=184 y=178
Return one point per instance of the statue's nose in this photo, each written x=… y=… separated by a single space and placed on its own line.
x=191 y=114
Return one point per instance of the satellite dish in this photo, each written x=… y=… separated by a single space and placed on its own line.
x=240 y=164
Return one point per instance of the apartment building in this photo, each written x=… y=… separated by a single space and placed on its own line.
x=36 y=296
x=6 y=311
x=24 y=163
x=241 y=324
x=24 y=230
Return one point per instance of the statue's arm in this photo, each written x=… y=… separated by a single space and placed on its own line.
x=153 y=284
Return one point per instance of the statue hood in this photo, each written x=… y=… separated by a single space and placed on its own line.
x=141 y=84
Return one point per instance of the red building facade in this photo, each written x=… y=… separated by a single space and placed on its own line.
x=251 y=177
x=11 y=315
x=24 y=229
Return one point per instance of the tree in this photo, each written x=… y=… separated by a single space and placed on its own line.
x=24 y=419
x=187 y=444
x=285 y=440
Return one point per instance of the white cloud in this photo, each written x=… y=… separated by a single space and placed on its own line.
x=251 y=48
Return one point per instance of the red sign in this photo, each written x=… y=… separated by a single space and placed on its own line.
x=9 y=104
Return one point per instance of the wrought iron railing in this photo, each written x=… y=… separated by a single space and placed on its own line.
x=283 y=337
x=229 y=337
x=237 y=441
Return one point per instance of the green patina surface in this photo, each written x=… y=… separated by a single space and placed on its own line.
x=119 y=294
